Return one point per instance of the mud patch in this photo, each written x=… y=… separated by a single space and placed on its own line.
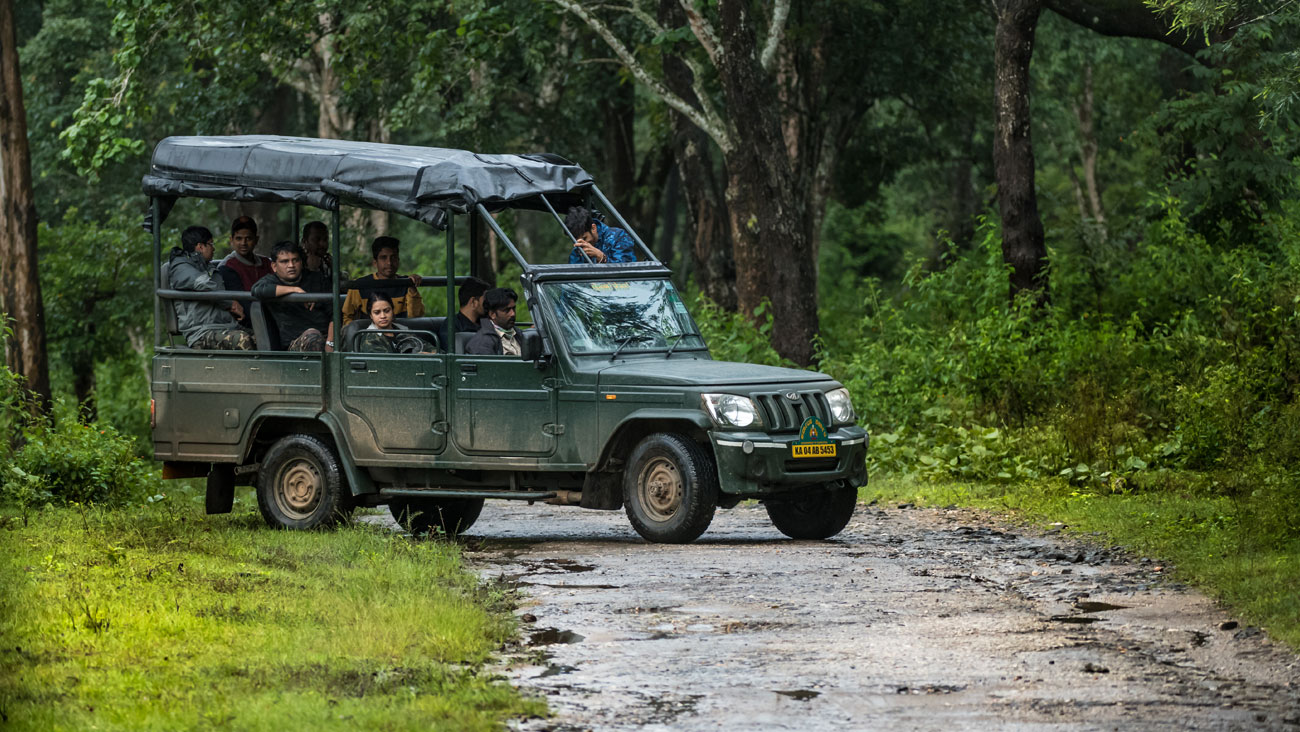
x=961 y=622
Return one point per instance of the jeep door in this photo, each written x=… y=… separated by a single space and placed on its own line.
x=502 y=405
x=402 y=397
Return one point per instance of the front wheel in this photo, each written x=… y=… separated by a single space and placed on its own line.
x=817 y=515
x=448 y=516
x=670 y=489
x=301 y=485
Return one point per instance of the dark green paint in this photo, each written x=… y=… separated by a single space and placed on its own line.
x=403 y=424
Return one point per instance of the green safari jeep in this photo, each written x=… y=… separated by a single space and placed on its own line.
x=614 y=403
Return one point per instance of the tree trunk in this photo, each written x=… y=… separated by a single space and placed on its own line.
x=655 y=171
x=1013 y=152
x=619 y=108
x=1088 y=154
x=707 y=227
x=666 y=250
x=20 y=286
x=83 y=390
x=770 y=224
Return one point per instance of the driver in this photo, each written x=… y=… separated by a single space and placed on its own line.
x=497 y=334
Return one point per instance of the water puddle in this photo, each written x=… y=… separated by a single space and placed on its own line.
x=1092 y=606
x=802 y=695
x=565 y=565
x=1075 y=619
x=554 y=670
x=551 y=636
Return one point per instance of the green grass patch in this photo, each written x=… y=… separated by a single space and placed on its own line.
x=1229 y=547
x=159 y=617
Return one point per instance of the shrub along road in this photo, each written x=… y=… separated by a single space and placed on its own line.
x=910 y=618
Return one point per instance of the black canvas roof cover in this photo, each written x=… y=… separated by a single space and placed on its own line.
x=418 y=182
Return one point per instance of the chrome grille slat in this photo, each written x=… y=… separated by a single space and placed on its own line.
x=782 y=415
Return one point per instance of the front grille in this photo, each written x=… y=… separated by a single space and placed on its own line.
x=781 y=414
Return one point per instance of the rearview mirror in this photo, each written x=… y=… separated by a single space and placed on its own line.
x=530 y=345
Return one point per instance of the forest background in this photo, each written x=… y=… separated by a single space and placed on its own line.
x=1051 y=246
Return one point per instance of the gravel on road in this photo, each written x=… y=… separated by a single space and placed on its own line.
x=909 y=619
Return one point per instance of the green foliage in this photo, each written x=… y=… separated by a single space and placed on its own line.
x=733 y=337
x=1200 y=375
x=159 y=617
x=70 y=462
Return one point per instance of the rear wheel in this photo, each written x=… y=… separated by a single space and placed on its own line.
x=448 y=516
x=670 y=489
x=301 y=485
x=818 y=514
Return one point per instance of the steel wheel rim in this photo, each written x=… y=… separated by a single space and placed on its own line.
x=660 y=488
x=298 y=488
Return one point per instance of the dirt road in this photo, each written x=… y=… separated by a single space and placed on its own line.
x=910 y=619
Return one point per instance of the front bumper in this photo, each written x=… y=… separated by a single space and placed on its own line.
x=758 y=464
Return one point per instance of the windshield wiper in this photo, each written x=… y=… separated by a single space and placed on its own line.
x=680 y=337
x=623 y=344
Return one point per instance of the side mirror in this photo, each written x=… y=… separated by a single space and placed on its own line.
x=530 y=345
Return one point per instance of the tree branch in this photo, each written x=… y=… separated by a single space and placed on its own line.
x=780 y=13
x=1130 y=19
x=706 y=120
x=703 y=30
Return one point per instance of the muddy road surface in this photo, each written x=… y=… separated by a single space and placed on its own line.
x=909 y=619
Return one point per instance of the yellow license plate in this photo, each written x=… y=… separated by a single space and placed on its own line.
x=822 y=450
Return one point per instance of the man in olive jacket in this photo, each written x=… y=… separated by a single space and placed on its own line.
x=205 y=324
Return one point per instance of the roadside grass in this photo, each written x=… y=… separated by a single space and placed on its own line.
x=1228 y=547
x=159 y=617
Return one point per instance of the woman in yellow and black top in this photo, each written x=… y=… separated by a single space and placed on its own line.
x=400 y=288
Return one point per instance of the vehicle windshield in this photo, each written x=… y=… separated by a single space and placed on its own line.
x=627 y=317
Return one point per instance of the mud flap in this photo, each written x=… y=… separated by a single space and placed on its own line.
x=221 y=489
x=602 y=491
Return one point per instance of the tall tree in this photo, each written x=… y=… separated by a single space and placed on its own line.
x=20 y=286
x=778 y=112
x=1023 y=246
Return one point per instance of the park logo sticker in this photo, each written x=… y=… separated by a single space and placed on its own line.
x=812 y=442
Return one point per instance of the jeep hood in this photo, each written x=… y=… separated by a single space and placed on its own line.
x=699 y=372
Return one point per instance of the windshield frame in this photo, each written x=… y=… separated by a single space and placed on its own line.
x=546 y=290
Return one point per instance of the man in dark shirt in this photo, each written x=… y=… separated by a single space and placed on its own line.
x=300 y=325
x=497 y=334
x=471 y=305
x=316 y=245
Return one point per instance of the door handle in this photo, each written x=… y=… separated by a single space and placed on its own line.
x=469 y=368
x=357 y=365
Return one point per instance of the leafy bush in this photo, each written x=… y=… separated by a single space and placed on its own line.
x=733 y=337
x=1177 y=356
x=76 y=463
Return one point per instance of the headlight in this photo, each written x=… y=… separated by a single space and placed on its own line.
x=729 y=410
x=841 y=406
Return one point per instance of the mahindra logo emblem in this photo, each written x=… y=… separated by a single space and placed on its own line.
x=792 y=396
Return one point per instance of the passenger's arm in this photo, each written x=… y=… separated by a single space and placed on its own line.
x=266 y=289
x=414 y=303
x=351 y=306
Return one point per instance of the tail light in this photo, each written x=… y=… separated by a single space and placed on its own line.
x=153 y=414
